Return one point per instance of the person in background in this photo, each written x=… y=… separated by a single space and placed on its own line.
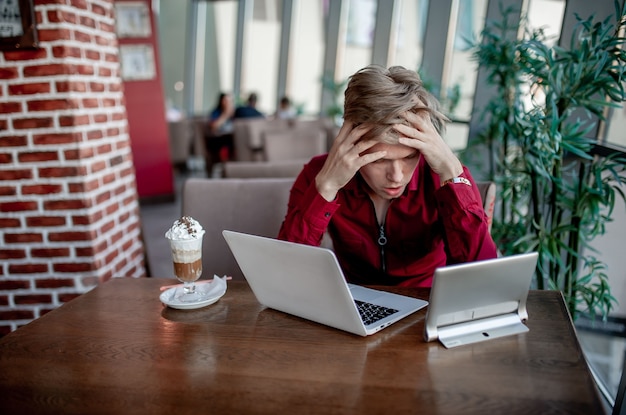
x=249 y=110
x=395 y=200
x=285 y=111
x=218 y=137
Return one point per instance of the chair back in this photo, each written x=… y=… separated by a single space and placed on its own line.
x=181 y=141
x=294 y=144
x=487 y=191
x=254 y=206
x=252 y=169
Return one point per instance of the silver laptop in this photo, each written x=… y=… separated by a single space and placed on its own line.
x=479 y=301
x=306 y=281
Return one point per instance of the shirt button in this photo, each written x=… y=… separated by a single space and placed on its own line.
x=327 y=214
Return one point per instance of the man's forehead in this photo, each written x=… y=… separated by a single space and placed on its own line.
x=394 y=151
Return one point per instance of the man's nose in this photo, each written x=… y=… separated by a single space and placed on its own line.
x=394 y=171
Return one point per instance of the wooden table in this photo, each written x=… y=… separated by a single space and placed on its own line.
x=118 y=350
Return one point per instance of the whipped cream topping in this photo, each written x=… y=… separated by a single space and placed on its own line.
x=185 y=228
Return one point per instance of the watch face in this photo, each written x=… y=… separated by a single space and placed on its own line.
x=10 y=18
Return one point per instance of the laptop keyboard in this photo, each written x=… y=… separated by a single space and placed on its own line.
x=371 y=313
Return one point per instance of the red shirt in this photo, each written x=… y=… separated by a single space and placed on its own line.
x=428 y=226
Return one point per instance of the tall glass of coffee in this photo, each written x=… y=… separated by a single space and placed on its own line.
x=185 y=238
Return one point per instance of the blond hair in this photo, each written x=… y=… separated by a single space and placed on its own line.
x=378 y=96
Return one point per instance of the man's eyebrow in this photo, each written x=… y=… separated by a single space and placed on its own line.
x=413 y=154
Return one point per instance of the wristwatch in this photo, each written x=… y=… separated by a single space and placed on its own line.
x=456 y=180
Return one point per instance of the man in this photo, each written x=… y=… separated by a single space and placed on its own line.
x=249 y=110
x=395 y=200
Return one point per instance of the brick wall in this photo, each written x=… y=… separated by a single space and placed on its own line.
x=69 y=213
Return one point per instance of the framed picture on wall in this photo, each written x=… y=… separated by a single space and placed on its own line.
x=132 y=19
x=17 y=25
x=137 y=62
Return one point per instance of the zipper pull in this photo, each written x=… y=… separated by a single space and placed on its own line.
x=382 y=239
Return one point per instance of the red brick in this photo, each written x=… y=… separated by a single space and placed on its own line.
x=38 y=156
x=60 y=16
x=32 y=123
x=85 y=69
x=17 y=206
x=28 y=268
x=107 y=227
x=104 y=72
x=51 y=69
x=107 y=27
x=86 y=219
x=54 y=283
x=97 y=9
x=67 y=297
x=61 y=171
x=94 y=135
x=13 y=141
x=96 y=86
x=100 y=118
x=50 y=105
x=41 y=189
x=74 y=204
x=9 y=223
x=70 y=236
x=48 y=35
x=116 y=160
x=4 y=330
x=60 y=138
x=8 y=73
x=12 y=253
x=29 y=89
x=87 y=22
x=98 y=166
x=92 y=54
x=15 y=174
x=50 y=252
x=90 y=103
x=10 y=107
x=66 y=51
x=71 y=86
x=26 y=55
x=46 y=221
x=12 y=238
x=83 y=187
x=111 y=57
x=73 y=267
x=104 y=148
x=4 y=300
x=44 y=311
x=109 y=178
x=102 y=198
x=72 y=120
x=12 y=285
x=17 y=315
x=22 y=299
x=6 y=158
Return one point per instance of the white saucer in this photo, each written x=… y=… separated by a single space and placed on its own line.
x=210 y=293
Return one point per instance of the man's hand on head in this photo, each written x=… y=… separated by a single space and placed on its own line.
x=422 y=135
x=344 y=160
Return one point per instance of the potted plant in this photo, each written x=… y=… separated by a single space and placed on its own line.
x=555 y=193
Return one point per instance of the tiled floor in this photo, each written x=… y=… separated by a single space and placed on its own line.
x=604 y=353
